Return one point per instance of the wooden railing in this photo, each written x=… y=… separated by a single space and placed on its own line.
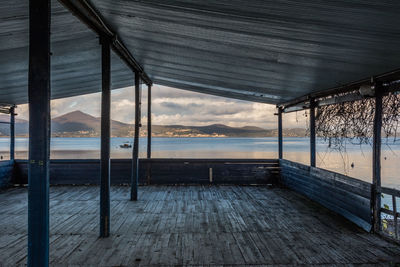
x=389 y=225
x=6 y=173
x=160 y=171
x=344 y=195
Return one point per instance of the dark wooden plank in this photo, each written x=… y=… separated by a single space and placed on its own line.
x=6 y=173
x=191 y=225
x=351 y=184
x=190 y=160
x=388 y=211
x=356 y=212
x=389 y=191
x=343 y=195
x=164 y=171
x=325 y=179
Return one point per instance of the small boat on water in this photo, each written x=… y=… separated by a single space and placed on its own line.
x=125 y=145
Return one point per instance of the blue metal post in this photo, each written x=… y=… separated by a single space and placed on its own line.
x=135 y=152
x=105 y=140
x=39 y=132
x=312 y=134
x=280 y=134
x=12 y=133
x=376 y=160
x=149 y=122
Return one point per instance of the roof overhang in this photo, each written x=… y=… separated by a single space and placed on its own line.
x=269 y=52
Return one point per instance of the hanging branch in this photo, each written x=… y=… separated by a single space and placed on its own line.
x=353 y=121
x=391 y=115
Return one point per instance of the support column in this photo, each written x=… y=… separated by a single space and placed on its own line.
x=12 y=133
x=312 y=134
x=105 y=140
x=149 y=122
x=135 y=152
x=148 y=165
x=39 y=132
x=376 y=161
x=280 y=134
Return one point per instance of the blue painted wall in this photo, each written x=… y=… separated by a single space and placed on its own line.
x=6 y=173
x=163 y=171
x=344 y=195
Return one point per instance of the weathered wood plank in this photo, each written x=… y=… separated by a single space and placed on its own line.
x=344 y=195
x=355 y=204
x=191 y=225
x=327 y=175
x=163 y=171
x=6 y=173
x=389 y=191
x=331 y=180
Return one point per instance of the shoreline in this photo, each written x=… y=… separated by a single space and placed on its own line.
x=354 y=162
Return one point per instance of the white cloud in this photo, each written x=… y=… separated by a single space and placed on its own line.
x=174 y=106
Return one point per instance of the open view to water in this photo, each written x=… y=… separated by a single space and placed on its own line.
x=354 y=162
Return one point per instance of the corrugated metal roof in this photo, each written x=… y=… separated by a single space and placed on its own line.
x=266 y=51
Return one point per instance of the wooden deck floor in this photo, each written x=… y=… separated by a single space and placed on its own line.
x=190 y=225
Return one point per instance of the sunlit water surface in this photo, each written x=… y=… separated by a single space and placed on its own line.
x=355 y=161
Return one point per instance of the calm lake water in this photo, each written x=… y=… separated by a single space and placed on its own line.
x=295 y=148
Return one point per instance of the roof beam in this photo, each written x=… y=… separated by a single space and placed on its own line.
x=6 y=108
x=390 y=83
x=350 y=97
x=83 y=10
x=217 y=90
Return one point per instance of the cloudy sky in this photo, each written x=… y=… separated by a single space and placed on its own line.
x=174 y=106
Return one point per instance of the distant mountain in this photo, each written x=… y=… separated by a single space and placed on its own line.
x=209 y=130
x=21 y=126
x=80 y=124
x=74 y=122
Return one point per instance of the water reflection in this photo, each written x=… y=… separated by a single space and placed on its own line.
x=356 y=161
